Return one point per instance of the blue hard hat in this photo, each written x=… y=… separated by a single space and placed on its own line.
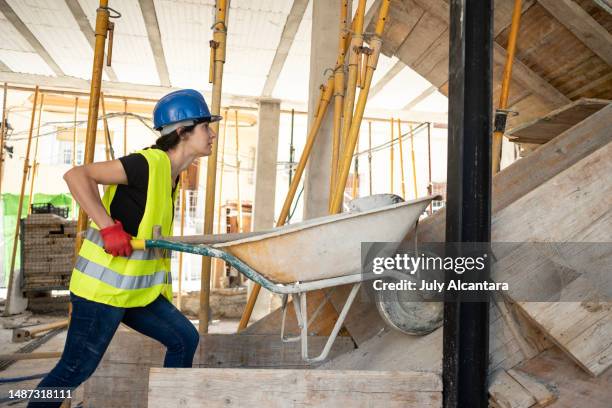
x=182 y=106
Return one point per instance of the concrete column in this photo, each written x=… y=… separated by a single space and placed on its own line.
x=265 y=163
x=323 y=53
x=265 y=184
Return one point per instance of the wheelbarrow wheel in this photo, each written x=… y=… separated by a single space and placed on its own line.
x=409 y=312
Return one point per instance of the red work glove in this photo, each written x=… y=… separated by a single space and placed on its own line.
x=116 y=240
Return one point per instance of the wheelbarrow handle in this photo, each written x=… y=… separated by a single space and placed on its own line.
x=138 y=244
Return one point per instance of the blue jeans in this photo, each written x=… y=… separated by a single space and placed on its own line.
x=92 y=326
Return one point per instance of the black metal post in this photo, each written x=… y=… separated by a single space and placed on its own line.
x=468 y=213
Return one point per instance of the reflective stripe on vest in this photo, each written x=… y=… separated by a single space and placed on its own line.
x=117 y=280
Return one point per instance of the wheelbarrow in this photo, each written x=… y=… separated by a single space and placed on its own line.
x=316 y=254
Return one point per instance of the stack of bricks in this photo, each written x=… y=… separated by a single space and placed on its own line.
x=47 y=252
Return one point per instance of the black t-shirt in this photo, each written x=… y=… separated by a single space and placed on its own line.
x=129 y=202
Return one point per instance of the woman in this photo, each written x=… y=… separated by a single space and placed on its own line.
x=111 y=283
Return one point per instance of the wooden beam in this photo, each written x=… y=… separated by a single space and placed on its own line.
x=150 y=18
x=521 y=73
x=532 y=81
x=582 y=25
x=122 y=89
x=175 y=387
x=130 y=355
x=81 y=19
x=4 y=67
x=372 y=11
x=389 y=75
x=20 y=26
x=282 y=51
x=421 y=97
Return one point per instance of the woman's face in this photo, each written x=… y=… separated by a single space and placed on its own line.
x=200 y=140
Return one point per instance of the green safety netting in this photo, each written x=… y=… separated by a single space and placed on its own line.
x=10 y=203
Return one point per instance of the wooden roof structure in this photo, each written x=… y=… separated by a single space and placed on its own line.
x=564 y=50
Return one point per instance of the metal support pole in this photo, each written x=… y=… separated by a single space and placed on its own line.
x=26 y=166
x=74 y=148
x=291 y=147
x=102 y=15
x=429 y=184
x=356 y=171
x=108 y=143
x=219 y=262
x=414 y=169
x=502 y=113
x=34 y=162
x=468 y=212
x=370 y=155
x=179 y=295
x=344 y=165
x=125 y=106
x=339 y=92
x=325 y=97
x=3 y=130
x=218 y=43
x=239 y=202
x=391 y=154
x=353 y=74
x=401 y=152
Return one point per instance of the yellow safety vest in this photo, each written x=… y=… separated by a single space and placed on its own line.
x=141 y=278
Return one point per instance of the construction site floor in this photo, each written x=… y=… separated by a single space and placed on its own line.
x=24 y=368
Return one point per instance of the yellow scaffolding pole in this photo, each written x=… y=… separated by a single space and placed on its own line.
x=501 y=114
x=339 y=92
x=102 y=26
x=179 y=295
x=345 y=164
x=370 y=155
x=34 y=162
x=355 y=47
x=217 y=46
x=401 y=152
x=239 y=202
x=324 y=99
x=2 y=132
x=125 y=106
x=414 y=170
x=356 y=171
x=110 y=154
x=26 y=167
x=219 y=262
x=74 y=146
x=391 y=151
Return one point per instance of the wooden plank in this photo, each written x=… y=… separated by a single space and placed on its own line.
x=544 y=394
x=262 y=351
x=509 y=393
x=546 y=128
x=573 y=387
x=582 y=25
x=580 y=323
x=518 y=179
x=125 y=365
x=172 y=387
x=363 y=321
x=321 y=326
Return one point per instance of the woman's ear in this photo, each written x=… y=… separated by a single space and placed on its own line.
x=180 y=131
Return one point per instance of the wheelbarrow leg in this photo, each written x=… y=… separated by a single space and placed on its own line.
x=302 y=317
